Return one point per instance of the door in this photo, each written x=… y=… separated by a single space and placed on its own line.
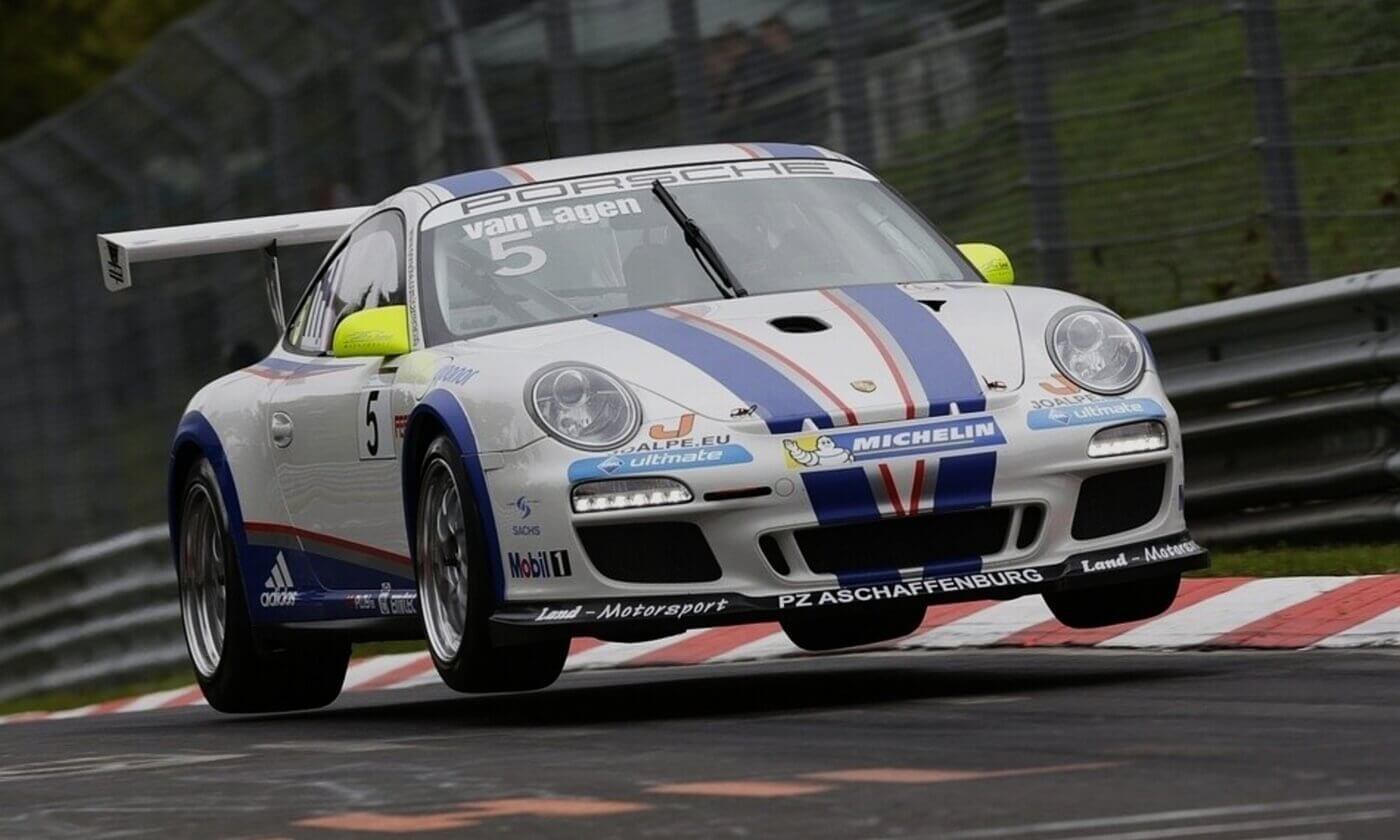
x=336 y=458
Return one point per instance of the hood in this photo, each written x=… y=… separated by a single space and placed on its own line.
x=832 y=357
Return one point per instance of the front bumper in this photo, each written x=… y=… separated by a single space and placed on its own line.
x=662 y=615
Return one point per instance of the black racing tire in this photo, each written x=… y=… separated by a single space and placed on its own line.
x=1117 y=603
x=477 y=665
x=249 y=676
x=824 y=630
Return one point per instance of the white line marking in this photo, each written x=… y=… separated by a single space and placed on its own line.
x=1205 y=620
x=985 y=627
x=1253 y=825
x=772 y=646
x=363 y=670
x=1168 y=816
x=619 y=653
x=1384 y=629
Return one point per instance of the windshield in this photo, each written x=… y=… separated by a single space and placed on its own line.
x=543 y=252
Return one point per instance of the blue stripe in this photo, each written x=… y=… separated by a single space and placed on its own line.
x=964 y=481
x=790 y=150
x=780 y=403
x=471 y=183
x=194 y=428
x=448 y=411
x=953 y=566
x=870 y=577
x=841 y=496
x=943 y=370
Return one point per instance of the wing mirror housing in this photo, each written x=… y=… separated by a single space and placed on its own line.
x=382 y=331
x=991 y=261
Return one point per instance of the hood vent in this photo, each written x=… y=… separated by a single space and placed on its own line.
x=935 y=305
x=799 y=324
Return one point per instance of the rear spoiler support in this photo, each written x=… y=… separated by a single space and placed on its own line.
x=118 y=252
x=273 y=279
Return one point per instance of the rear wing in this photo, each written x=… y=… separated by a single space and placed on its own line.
x=117 y=252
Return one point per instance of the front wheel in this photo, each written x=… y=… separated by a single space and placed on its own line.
x=234 y=671
x=852 y=626
x=454 y=588
x=1117 y=603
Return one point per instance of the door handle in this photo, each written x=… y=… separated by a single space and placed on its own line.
x=281 y=429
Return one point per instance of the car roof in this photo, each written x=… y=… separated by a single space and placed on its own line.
x=517 y=174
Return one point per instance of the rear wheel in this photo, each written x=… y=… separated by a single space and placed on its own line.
x=454 y=588
x=1100 y=606
x=234 y=671
x=852 y=626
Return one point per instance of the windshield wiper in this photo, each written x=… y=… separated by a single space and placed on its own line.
x=723 y=278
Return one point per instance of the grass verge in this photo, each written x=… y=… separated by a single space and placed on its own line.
x=1320 y=560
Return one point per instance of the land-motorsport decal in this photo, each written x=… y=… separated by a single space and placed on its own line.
x=709 y=608
x=832 y=449
x=665 y=460
x=1095 y=413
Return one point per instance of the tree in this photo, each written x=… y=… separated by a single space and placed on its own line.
x=54 y=51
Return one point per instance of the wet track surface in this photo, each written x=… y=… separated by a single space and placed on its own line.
x=1042 y=745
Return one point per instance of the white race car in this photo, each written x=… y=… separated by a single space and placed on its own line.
x=628 y=394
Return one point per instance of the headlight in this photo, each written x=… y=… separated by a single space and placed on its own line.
x=1096 y=350
x=584 y=407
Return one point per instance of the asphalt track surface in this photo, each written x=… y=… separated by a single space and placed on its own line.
x=1040 y=745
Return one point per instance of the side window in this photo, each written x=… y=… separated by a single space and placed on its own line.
x=368 y=272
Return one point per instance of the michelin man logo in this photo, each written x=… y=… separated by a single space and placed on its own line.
x=821 y=451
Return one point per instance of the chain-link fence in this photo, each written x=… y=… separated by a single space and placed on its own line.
x=1149 y=154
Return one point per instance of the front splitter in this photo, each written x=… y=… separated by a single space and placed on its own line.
x=660 y=615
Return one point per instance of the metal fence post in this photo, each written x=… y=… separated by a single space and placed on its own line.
x=568 y=111
x=848 y=60
x=1031 y=79
x=1288 y=237
x=480 y=133
x=689 y=72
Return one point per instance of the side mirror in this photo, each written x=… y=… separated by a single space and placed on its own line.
x=991 y=261
x=382 y=331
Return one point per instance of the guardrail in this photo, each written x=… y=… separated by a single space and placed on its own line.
x=104 y=612
x=1289 y=404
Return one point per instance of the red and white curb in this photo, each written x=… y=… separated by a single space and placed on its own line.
x=1209 y=613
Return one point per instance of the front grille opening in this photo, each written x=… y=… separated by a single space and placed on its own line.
x=738 y=493
x=773 y=553
x=799 y=324
x=650 y=552
x=1032 y=517
x=905 y=542
x=1110 y=503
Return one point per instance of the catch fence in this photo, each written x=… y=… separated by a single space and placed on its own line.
x=1149 y=154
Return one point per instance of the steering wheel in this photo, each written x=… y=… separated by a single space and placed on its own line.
x=503 y=294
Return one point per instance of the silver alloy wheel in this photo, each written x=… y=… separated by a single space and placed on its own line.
x=203 y=597
x=442 y=561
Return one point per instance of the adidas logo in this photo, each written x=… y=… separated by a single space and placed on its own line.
x=279 y=591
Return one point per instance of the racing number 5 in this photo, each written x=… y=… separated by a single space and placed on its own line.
x=500 y=253
x=373 y=410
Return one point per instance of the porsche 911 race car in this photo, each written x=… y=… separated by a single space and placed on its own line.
x=628 y=394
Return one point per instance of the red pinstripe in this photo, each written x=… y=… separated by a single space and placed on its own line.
x=292 y=530
x=909 y=411
x=796 y=368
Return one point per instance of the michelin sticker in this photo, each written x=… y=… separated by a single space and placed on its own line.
x=666 y=460
x=1087 y=414
x=835 y=448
